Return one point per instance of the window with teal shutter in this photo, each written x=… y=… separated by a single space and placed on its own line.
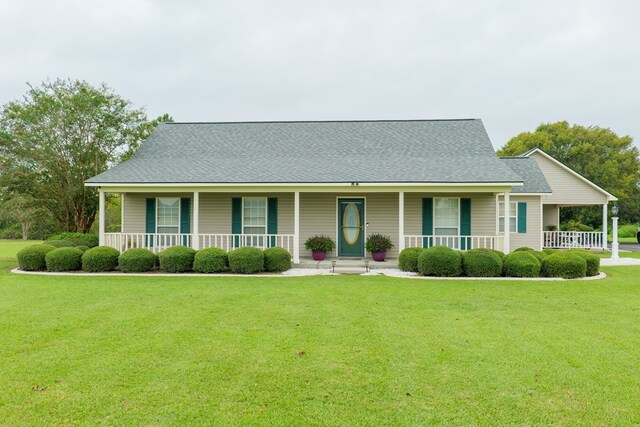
x=465 y=223
x=427 y=221
x=185 y=219
x=522 y=217
x=236 y=220
x=272 y=222
x=150 y=225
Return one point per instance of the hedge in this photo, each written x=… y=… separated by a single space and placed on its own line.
x=100 y=258
x=59 y=243
x=564 y=264
x=408 y=259
x=521 y=264
x=210 y=260
x=32 y=257
x=64 y=259
x=177 y=259
x=593 y=261
x=77 y=239
x=523 y=249
x=277 y=259
x=136 y=260
x=440 y=261
x=83 y=248
x=481 y=263
x=246 y=260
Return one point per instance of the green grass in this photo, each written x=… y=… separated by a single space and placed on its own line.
x=344 y=350
x=9 y=248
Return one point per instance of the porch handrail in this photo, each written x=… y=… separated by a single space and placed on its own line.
x=155 y=242
x=573 y=239
x=455 y=242
x=229 y=242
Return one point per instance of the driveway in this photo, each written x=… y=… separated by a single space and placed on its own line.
x=631 y=247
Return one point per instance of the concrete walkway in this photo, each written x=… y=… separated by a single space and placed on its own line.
x=607 y=262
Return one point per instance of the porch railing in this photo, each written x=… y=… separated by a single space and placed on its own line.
x=157 y=242
x=573 y=239
x=455 y=242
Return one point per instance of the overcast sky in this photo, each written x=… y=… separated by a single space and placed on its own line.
x=513 y=64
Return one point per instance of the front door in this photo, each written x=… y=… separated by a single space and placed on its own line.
x=351 y=227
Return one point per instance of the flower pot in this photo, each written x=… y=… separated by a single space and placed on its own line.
x=378 y=256
x=318 y=255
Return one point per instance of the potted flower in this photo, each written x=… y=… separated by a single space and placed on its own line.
x=319 y=246
x=378 y=245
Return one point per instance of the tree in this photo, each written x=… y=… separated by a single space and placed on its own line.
x=598 y=154
x=22 y=209
x=61 y=134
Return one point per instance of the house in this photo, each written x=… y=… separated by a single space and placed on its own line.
x=422 y=182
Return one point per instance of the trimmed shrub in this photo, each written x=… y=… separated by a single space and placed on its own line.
x=497 y=252
x=408 y=259
x=100 y=258
x=246 y=260
x=277 y=259
x=177 y=259
x=521 y=264
x=593 y=261
x=77 y=239
x=481 y=263
x=564 y=264
x=31 y=258
x=83 y=248
x=440 y=261
x=538 y=254
x=523 y=248
x=64 y=259
x=210 y=260
x=59 y=243
x=136 y=260
x=549 y=251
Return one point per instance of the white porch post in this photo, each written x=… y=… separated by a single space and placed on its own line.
x=195 y=239
x=101 y=216
x=401 y=220
x=296 y=227
x=507 y=233
x=605 y=224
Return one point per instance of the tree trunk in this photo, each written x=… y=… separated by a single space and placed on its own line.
x=25 y=231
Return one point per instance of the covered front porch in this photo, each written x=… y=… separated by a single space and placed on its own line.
x=553 y=237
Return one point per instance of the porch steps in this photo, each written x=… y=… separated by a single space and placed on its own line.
x=347 y=265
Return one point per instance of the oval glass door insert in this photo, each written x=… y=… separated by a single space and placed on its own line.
x=351 y=223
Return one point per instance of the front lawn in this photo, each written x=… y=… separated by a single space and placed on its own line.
x=335 y=350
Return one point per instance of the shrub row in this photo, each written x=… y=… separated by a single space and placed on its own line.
x=177 y=259
x=523 y=262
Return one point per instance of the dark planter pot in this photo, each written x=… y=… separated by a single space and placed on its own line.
x=378 y=256
x=318 y=255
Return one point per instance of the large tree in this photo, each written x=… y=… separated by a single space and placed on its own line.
x=609 y=160
x=60 y=134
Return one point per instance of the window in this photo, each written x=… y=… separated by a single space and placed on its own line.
x=254 y=215
x=513 y=217
x=168 y=215
x=446 y=218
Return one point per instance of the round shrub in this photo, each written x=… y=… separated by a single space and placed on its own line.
x=481 y=263
x=277 y=259
x=538 y=254
x=408 y=259
x=593 y=261
x=64 y=259
x=440 y=261
x=210 y=260
x=246 y=260
x=59 y=243
x=83 y=248
x=177 y=259
x=136 y=260
x=100 y=258
x=564 y=264
x=31 y=258
x=523 y=248
x=521 y=264
x=497 y=252
x=77 y=239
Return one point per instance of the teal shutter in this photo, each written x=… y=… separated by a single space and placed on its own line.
x=272 y=215
x=465 y=223
x=185 y=219
x=236 y=219
x=522 y=217
x=150 y=226
x=427 y=221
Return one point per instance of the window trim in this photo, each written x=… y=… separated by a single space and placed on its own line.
x=179 y=213
x=266 y=216
x=501 y=215
x=435 y=201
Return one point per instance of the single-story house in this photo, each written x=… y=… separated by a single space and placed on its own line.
x=422 y=182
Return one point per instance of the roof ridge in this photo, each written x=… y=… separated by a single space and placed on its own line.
x=322 y=121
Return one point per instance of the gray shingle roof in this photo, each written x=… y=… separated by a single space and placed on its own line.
x=528 y=169
x=429 y=151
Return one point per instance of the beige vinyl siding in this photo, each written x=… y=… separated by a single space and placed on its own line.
x=533 y=237
x=567 y=188
x=550 y=215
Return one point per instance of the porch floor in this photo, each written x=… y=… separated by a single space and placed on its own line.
x=346 y=265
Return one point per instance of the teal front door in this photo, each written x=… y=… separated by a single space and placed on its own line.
x=351 y=227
